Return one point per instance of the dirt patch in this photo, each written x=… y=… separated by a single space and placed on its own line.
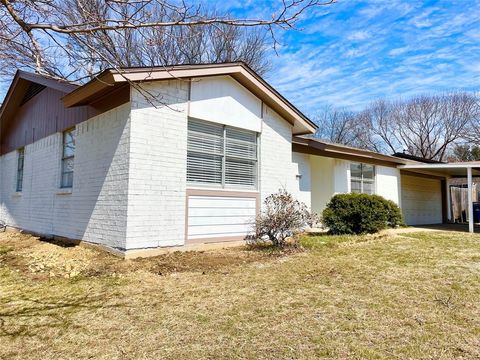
x=42 y=259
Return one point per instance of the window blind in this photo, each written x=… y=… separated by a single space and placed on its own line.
x=221 y=155
x=205 y=152
x=241 y=157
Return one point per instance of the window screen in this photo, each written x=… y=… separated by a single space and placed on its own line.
x=362 y=178
x=20 y=165
x=68 y=154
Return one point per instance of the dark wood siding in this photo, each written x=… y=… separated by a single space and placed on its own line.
x=45 y=114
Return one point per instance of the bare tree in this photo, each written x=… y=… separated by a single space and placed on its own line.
x=425 y=126
x=336 y=125
x=464 y=152
x=342 y=126
x=75 y=39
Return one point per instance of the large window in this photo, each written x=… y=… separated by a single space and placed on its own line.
x=362 y=178
x=68 y=153
x=20 y=165
x=221 y=155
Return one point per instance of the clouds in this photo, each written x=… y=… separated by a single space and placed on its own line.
x=355 y=51
x=362 y=50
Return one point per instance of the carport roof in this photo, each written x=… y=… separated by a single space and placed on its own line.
x=445 y=169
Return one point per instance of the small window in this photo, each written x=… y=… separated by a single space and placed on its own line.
x=20 y=165
x=362 y=178
x=68 y=153
x=221 y=155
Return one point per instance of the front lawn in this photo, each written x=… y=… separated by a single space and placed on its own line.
x=411 y=296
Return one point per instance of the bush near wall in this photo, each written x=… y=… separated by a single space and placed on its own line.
x=360 y=214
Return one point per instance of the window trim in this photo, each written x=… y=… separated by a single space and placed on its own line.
x=363 y=180
x=63 y=158
x=225 y=157
x=19 y=179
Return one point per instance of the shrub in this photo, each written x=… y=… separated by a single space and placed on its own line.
x=360 y=214
x=281 y=217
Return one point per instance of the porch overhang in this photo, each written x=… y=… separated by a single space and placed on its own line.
x=449 y=170
x=445 y=170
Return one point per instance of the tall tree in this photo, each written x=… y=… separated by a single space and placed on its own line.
x=465 y=152
x=343 y=126
x=426 y=125
x=75 y=39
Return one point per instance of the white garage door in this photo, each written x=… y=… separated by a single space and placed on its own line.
x=211 y=217
x=421 y=200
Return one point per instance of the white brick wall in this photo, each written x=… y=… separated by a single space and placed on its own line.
x=129 y=186
x=158 y=158
x=302 y=188
x=277 y=170
x=95 y=210
x=387 y=182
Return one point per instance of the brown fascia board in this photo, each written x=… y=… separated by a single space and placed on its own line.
x=239 y=71
x=316 y=147
x=48 y=81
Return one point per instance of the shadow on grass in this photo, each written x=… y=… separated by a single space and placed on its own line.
x=28 y=316
x=315 y=241
x=268 y=248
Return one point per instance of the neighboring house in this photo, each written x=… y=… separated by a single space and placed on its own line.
x=171 y=156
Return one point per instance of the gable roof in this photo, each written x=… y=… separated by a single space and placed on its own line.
x=110 y=79
x=21 y=89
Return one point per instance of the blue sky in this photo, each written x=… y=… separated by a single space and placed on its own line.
x=355 y=51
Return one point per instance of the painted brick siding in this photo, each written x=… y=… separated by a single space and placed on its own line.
x=100 y=185
x=158 y=158
x=277 y=170
x=33 y=208
x=89 y=212
x=301 y=188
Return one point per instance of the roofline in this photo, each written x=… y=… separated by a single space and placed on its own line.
x=44 y=80
x=459 y=165
x=346 y=151
x=110 y=77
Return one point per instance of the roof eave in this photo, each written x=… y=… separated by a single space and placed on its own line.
x=337 y=149
x=238 y=71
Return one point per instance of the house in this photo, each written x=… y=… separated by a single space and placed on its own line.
x=170 y=156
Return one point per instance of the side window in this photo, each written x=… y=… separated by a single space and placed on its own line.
x=20 y=165
x=221 y=155
x=68 y=155
x=362 y=178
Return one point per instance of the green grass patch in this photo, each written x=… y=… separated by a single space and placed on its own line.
x=5 y=249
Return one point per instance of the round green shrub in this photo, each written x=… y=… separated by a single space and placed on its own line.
x=360 y=214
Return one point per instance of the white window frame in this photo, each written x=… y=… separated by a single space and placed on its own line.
x=224 y=156
x=20 y=172
x=363 y=180
x=64 y=158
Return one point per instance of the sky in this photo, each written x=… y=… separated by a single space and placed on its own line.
x=355 y=51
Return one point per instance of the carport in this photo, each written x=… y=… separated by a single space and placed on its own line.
x=448 y=171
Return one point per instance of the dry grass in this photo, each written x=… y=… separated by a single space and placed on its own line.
x=410 y=296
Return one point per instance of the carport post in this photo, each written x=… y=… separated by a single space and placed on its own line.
x=470 y=200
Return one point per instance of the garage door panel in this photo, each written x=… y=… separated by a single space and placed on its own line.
x=421 y=200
